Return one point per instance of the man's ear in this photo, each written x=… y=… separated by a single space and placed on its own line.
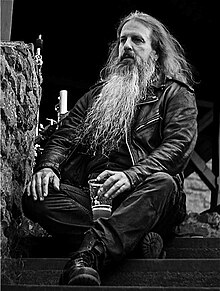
x=154 y=55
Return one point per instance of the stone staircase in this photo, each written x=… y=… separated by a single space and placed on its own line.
x=190 y=264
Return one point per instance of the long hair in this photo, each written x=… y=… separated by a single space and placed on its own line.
x=113 y=110
x=171 y=56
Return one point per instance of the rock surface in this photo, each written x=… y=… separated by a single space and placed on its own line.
x=200 y=225
x=20 y=99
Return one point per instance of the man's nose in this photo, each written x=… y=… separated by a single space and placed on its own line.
x=128 y=45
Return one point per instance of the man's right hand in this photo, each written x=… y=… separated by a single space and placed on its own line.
x=38 y=186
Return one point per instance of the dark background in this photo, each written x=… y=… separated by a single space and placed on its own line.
x=76 y=36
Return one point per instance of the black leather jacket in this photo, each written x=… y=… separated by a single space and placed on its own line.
x=162 y=137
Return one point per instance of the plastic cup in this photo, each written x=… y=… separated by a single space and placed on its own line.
x=101 y=206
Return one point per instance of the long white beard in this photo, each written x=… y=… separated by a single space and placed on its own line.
x=112 y=112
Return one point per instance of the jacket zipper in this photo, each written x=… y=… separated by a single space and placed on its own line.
x=129 y=149
x=126 y=135
x=155 y=118
x=137 y=145
x=154 y=99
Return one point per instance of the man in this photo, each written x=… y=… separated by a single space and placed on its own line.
x=136 y=129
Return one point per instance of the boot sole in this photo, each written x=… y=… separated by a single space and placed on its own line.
x=152 y=246
x=85 y=277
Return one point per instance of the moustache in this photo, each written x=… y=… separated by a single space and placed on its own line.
x=129 y=56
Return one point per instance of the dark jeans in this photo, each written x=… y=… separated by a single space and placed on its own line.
x=155 y=205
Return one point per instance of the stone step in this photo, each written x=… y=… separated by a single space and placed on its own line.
x=180 y=247
x=157 y=273
x=193 y=247
x=102 y=288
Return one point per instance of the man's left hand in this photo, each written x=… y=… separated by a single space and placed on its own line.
x=115 y=183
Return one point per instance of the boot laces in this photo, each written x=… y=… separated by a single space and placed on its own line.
x=84 y=260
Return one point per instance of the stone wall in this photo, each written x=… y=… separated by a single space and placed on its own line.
x=20 y=99
x=198 y=195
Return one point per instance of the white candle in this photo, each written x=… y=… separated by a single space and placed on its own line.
x=63 y=101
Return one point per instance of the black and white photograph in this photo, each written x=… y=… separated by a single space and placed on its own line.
x=110 y=145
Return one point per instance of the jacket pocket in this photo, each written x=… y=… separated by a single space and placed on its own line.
x=148 y=134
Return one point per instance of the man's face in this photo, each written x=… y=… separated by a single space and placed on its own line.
x=135 y=42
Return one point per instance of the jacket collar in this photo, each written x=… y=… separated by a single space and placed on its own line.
x=152 y=95
x=159 y=85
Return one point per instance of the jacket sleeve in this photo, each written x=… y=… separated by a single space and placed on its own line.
x=179 y=135
x=61 y=143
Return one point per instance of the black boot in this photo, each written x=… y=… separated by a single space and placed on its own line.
x=83 y=267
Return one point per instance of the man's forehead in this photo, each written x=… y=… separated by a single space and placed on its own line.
x=135 y=27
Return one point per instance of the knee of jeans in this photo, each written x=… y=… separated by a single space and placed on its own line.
x=165 y=181
x=33 y=209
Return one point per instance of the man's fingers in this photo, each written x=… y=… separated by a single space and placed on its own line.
x=33 y=189
x=104 y=175
x=120 y=190
x=44 y=185
x=52 y=179
x=115 y=184
x=115 y=188
x=115 y=180
x=112 y=184
x=28 y=189
x=38 y=186
x=38 y=178
x=55 y=182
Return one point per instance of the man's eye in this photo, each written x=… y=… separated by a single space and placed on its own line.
x=137 y=40
x=122 y=40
